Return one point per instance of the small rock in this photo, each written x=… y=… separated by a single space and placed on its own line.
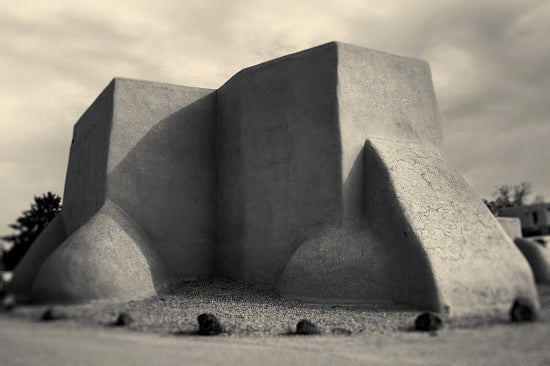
x=52 y=314
x=123 y=320
x=305 y=327
x=341 y=331
x=523 y=310
x=209 y=324
x=428 y=322
x=8 y=302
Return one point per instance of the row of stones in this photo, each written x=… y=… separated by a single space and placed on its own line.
x=209 y=324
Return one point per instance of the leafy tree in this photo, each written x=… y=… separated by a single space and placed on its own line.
x=29 y=227
x=509 y=196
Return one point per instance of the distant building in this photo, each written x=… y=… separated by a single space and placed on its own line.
x=535 y=218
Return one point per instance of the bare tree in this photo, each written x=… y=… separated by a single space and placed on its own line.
x=508 y=195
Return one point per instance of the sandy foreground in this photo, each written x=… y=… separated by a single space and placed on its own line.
x=258 y=329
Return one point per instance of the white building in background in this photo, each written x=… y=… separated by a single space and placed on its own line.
x=535 y=218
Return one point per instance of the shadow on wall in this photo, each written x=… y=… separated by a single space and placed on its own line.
x=167 y=184
x=373 y=257
x=354 y=192
x=157 y=222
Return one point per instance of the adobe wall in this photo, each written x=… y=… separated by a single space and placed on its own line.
x=140 y=197
x=475 y=265
x=538 y=256
x=85 y=182
x=512 y=226
x=162 y=169
x=108 y=257
x=414 y=231
x=279 y=167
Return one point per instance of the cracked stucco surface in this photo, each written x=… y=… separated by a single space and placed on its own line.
x=474 y=262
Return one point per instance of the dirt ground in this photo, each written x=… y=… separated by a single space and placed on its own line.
x=250 y=317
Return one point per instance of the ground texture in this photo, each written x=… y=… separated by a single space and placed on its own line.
x=258 y=325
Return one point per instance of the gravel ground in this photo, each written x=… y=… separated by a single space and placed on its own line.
x=245 y=311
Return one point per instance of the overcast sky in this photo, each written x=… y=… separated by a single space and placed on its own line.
x=490 y=62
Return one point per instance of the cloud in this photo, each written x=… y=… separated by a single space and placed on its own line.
x=489 y=62
x=497 y=122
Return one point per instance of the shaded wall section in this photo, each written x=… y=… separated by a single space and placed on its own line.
x=85 y=183
x=538 y=256
x=279 y=169
x=162 y=169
